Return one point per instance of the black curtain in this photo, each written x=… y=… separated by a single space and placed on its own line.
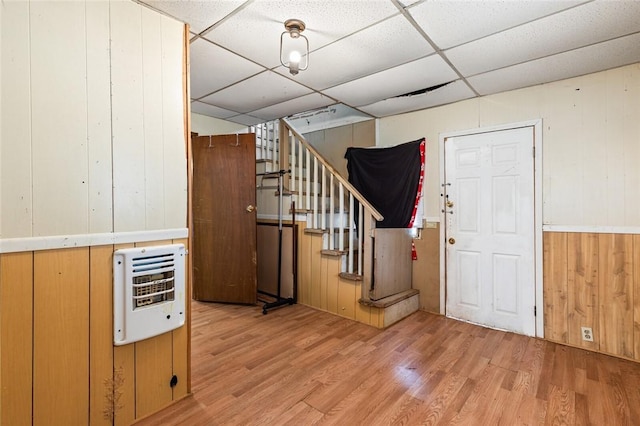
x=388 y=178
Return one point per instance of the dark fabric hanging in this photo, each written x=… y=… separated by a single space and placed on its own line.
x=388 y=178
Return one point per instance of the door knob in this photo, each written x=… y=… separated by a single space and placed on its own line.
x=452 y=240
x=250 y=208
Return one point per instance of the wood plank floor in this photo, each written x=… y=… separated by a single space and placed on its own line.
x=299 y=366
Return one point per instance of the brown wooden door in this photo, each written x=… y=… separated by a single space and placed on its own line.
x=224 y=218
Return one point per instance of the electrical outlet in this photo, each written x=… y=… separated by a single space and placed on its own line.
x=587 y=334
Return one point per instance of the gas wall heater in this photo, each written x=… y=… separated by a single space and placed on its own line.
x=148 y=292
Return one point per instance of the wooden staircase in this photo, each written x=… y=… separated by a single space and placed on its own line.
x=335 y=259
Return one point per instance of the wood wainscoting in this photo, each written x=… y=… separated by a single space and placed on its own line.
x=58 y=363
x=593 y=280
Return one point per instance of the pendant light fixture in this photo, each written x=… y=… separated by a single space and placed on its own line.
x=295 y=48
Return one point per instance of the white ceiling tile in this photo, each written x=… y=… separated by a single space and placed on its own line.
x=450 y=23
x=210 y=110
x=396 y=81
x=255 y=31
x=580 y=27
x=213 y=68
x=267 y=88
x=385 y=45
x=199 y=14
x=293 y=106
x=594 y=58
x=247 y=120
x=450 y=93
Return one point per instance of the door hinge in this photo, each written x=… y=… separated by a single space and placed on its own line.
x=534 y=152
x=535 y=311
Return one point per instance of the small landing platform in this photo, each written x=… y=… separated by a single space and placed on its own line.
x=395 y=307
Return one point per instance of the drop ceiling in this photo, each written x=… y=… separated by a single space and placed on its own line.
x=366 y=54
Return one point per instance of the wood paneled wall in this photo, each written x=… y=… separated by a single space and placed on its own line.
x=320 y=286
x=593 y=280
x=58 y=363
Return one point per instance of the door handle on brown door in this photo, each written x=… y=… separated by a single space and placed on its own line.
x=250 y=208
x=452 y=240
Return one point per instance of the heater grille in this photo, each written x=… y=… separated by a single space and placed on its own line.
x=148 y=291
x=153 y=280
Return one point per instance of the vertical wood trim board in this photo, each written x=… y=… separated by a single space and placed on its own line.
x=582 y=291
x=593 y=280
x=636 y=297
x=16 y=332
x=616 y=294
x=124 y=378
x=555 y=291
x=101 y=335
x=61 y=336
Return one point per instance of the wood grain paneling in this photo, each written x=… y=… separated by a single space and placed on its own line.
x=582 y=287
x=304 y=265
x=325 y=275
x=426 y=270
x=348 y=298
x=333 y=268
x=602 y=290
x=555 y=290
x=61 y=336
x=124 y=391
x=316 y=271
x=124 y=378
x=153 y=374
x=101 y=336
x=616 y=294
x=16 y=331
x=636 y=297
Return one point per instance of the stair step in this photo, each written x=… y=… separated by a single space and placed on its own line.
x=350 y=277
x=335 y=253
x=389 y=300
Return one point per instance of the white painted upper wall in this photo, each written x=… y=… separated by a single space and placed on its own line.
x=92 y=126
x=591 y=142
x=205 y=126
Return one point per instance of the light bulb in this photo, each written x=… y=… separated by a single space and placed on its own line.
x=294 y=57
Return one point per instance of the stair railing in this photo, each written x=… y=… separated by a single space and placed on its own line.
x=267 y=146
x=329 y=201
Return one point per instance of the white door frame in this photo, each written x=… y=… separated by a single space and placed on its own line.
x=537 y=179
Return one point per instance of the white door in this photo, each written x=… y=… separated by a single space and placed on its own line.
x=490 y=238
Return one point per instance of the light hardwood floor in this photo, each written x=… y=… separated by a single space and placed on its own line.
x=300 y=366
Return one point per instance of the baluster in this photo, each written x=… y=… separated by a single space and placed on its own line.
x=350 y=253
x=332 y=209
x=341 y=213
x=360 y=236
x=315 y=193
x=300 y=175
x=276 y=147
x=265 y=144
x=323 y=204
x=291 y=140
x=308 y=176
